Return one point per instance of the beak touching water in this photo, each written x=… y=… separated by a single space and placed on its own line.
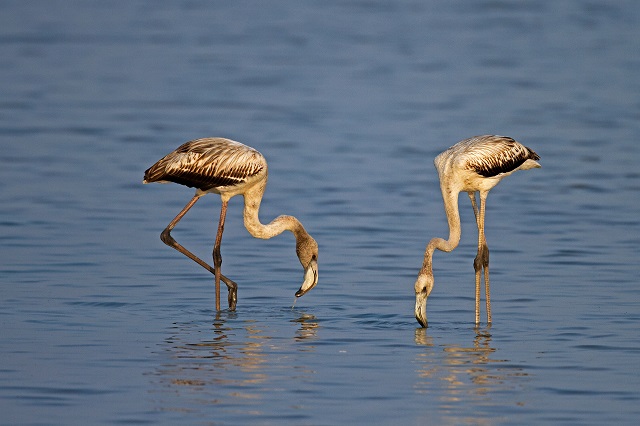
x=310 y=278
x=421 y=308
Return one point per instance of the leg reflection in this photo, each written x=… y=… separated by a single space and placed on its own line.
x=233 y=363
x=463 y=373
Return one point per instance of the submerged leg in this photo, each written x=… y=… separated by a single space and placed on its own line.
x=168 y=240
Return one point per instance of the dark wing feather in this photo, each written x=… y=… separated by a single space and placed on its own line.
x=492 y=155
x=207 y=163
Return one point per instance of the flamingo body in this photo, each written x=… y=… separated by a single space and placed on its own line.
x=481 y=162
x=217 y=165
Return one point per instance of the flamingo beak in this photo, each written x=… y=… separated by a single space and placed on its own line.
x=421 y=308
x=310 y=278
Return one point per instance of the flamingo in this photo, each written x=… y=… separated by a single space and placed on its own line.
x=472 y=165
x=229 y=168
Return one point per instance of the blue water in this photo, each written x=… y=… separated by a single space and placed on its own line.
x=349 y=101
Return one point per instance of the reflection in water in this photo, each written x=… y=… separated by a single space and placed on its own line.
x=460 y=374
x=230 y=363
x=308 y=328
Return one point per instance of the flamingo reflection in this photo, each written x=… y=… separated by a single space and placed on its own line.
x=460 y=373
x=230 y=361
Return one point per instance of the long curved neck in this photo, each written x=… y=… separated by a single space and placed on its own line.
x=252 y=200
x=450 y=199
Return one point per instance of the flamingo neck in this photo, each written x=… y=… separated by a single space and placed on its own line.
x=252 y=200
x=450 y=199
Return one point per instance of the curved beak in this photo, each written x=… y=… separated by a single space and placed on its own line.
x=421 y=308
x=310 y=278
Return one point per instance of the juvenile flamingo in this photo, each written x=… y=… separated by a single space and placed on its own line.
x=229 y=168
x=473 y=165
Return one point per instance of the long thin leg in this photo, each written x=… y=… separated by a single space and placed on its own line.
x=481 y=262
x=217 y=257
x=477 y=262
x=478 y=270
x=168 y=240
x=488 y=296
x=483 y=252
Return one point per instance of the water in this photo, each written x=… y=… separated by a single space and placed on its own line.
x=349 y=101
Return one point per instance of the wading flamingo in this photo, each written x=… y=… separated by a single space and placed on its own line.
x=473 y=165
x=229 y=168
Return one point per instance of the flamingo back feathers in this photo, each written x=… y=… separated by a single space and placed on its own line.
x=208 y=163
x=491 y=155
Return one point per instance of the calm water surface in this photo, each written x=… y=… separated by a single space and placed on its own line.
x=349 y=101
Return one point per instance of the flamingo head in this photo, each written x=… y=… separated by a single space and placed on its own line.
x=423 y=287
x=307 y=251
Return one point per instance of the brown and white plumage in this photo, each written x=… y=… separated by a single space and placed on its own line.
x=208 y=164
x=472 y=165
x=229 y=168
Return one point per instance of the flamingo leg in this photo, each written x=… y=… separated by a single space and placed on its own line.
x=486 y=286
x=485 y=262
x=483 y=255
x=217 y=257
x=477 y=266
x=168 y=240
x=481 y=262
